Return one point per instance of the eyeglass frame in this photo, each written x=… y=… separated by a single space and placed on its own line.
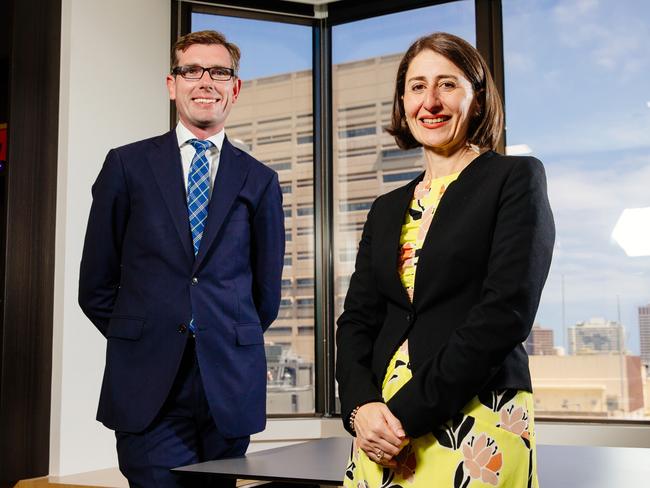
x=178 y=70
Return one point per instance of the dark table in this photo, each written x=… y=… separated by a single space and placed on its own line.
x=322 y=462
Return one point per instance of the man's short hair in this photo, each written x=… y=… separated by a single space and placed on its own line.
x=206 y=37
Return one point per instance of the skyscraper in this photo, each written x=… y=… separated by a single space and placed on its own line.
x=644 y=333
x=540 y=341
x=597 y=336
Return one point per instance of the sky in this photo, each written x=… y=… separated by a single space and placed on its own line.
x=577 y=94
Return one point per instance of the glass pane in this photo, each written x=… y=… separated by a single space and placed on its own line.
x=577 y=98
x=272 y=120
x=367 y=162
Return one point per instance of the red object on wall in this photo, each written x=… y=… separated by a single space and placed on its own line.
x=3 y=142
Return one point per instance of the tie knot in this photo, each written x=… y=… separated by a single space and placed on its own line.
x=200 y=146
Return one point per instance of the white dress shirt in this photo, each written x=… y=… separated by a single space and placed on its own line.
x=188 y=152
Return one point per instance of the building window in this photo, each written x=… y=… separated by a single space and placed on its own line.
x=305 y=282
x=279 y=166
x=396 y=153
x=305 y=210
x=355 y=206
x=273 y=139
x=307 y=139
x=357 y=132
x=403 y=176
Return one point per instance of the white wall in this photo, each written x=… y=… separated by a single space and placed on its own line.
x=114 y=57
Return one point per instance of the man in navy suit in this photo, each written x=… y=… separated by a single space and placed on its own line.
x=181 y=272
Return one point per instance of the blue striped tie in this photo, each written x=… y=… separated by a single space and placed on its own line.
x=198 y=196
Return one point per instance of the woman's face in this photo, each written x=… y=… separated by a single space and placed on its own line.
x=438 y=102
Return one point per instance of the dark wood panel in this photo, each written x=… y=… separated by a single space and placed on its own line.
x=31 y=214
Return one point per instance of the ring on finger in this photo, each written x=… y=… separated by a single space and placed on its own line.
x=380 y=455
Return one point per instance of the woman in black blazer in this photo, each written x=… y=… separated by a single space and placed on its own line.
x=433 y=378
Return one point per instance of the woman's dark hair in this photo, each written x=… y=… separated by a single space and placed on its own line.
x=486 y=125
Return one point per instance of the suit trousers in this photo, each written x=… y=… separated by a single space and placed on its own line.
x=183 y=433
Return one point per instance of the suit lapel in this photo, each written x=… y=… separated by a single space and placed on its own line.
x=165 y=162
x=229 y=180
x=389 y=235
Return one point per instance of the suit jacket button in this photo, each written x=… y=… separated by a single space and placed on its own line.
x=182 y=328
x=195 y=280
x=408 y=317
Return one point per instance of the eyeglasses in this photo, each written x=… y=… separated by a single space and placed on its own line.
x=217 y=73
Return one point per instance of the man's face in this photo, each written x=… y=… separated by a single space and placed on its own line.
x=203 y=105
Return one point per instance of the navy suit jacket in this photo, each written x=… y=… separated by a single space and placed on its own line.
x=479 y=278
x=140 y=283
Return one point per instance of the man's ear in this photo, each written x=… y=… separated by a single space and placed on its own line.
x=171 y=86
x=236 y=89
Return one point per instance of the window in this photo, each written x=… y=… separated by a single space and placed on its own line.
x=277 y=97
x=286 y=137
x=590 y=126
x=397 y=153
x=305 y=231
x=279 y=166
x=367 y=162
x=305 y=282
x=586 y=61
x=305 y=139
x=354 y=206
x=405 y=176
x=347 y=255
x=358 y=131
x=305 y=307
x=304 y=210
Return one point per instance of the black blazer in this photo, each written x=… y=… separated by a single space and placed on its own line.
x=480 y=274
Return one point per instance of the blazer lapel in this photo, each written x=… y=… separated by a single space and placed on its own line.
x=459 y=190
x=389 y=234
x=229 y=180
x=165 y=162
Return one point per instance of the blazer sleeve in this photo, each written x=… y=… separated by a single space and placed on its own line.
x=99 y=275
x=519 y=260
x=357 y=329
x=267 y=258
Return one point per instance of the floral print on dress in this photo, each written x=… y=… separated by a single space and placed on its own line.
x=496 y=399
x=482 y=460
x=452 y=433
x=426 y=198
x=515 y=420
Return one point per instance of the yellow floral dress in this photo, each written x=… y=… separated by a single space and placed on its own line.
x=489 y=443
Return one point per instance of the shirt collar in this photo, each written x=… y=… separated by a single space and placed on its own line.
x=183 y=135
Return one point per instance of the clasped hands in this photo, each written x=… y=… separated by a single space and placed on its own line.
x=379 y=433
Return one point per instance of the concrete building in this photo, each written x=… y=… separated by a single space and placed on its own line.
x=273 y=121
x=596 y=336
x=595 y=385
x=540 y=342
